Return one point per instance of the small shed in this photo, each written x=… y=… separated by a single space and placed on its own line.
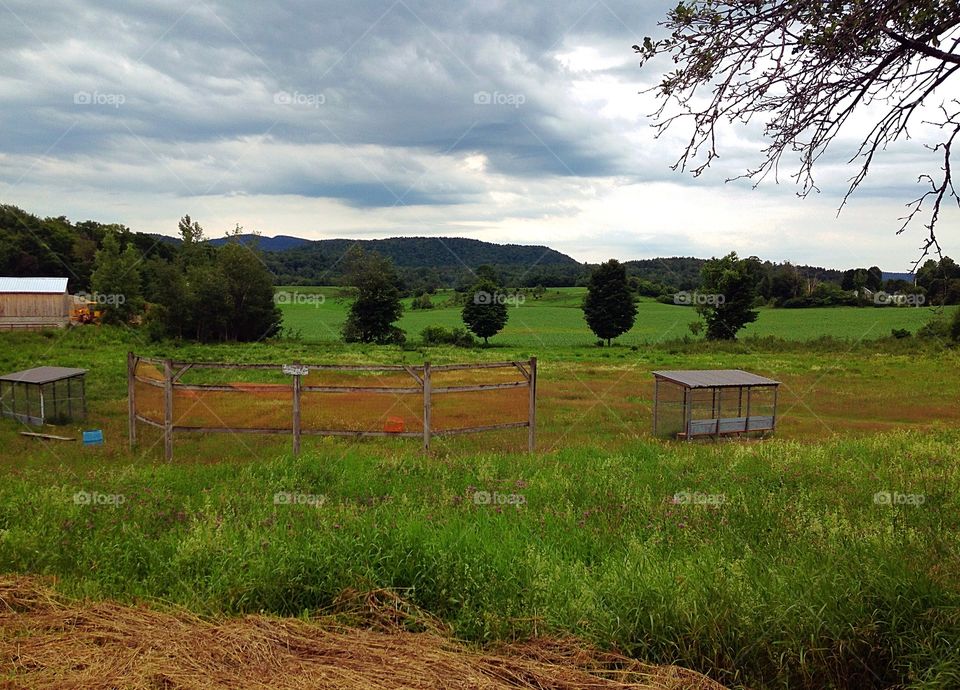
x=44 y=395
x=713 y=402
x=34 y=303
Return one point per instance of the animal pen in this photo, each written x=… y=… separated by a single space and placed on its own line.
x=44 y=395
x=354 y=400
x=713 y=402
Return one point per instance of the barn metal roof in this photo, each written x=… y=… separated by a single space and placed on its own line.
x=42 y=375
x=715 y=378
x=41 y=285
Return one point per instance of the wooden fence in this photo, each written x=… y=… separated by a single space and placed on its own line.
x=421 y=385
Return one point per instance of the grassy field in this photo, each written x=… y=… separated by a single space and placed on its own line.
x=781 y=571
x=556 y=320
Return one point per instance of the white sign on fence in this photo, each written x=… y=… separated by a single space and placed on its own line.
x=295 y=369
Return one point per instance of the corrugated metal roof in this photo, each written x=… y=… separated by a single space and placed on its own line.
x=42 y=375
x=715 y=378
x=44 y=285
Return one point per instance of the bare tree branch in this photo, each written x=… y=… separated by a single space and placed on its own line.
x=805 y=68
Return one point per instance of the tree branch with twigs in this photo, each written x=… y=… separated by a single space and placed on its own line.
x=805 y=68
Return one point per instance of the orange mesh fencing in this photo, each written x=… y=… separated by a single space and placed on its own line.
x=333 y=399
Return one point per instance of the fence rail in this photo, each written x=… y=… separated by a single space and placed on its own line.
x=421 y=375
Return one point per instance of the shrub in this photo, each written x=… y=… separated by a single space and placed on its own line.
x=899 y=333
x=421 y=301
x=936 y=328
x=438 y=335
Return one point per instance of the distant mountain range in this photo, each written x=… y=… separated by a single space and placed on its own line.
x=448 y=261
x=422 y=262
x=279 y=243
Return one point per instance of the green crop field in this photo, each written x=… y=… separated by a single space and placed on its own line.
x=783 y=571
x=556 y=319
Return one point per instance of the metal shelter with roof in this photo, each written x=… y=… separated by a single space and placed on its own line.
x=43 y=395
x=713 y=402
x=34 y=303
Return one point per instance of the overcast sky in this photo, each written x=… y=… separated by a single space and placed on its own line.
x=503 y=121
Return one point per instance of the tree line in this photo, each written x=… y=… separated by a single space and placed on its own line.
x=54 y=246
x=200 y=292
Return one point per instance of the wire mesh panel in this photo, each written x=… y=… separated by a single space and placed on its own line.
x=669 y=412
x=148 y=389
x=385 y=401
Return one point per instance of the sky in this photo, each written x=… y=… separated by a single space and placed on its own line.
x=511 y=122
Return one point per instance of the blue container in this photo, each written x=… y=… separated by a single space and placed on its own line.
x=93 y=437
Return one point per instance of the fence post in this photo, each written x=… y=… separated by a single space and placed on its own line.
x=532 y=406
x=656 y=402
x=427 y=404
x=131 y=399
x=296 y=414
x=167 y=410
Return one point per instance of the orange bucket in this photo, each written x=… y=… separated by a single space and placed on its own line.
x=395 y=425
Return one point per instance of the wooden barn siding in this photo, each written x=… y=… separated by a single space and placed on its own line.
x=24 y=309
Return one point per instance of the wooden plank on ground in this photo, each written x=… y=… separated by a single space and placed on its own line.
x=49 y=437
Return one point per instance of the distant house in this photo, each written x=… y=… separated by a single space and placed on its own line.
x=34 y=303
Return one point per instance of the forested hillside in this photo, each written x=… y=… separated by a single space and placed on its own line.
x=33 y=246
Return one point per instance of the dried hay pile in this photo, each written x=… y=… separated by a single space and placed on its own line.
x=47 y=641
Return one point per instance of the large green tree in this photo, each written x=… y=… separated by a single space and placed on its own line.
x=213 y=293
x=809 y=71
x=116 y=281
x=485 y=312
x=250 y=286
x=728 y=290
x=377 y=305
x=609 y=307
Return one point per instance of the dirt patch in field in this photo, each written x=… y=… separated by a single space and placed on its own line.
x=47 y=641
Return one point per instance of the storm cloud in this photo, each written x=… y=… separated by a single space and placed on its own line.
x=505 y=121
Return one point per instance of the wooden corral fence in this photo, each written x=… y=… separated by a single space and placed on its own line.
x=422 y=383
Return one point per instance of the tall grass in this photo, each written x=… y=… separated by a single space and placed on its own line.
x=782 y=571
